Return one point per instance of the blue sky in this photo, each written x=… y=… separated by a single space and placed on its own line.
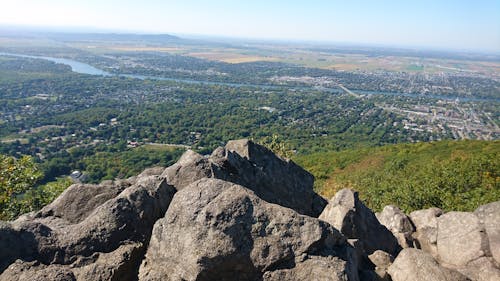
x=456 y=24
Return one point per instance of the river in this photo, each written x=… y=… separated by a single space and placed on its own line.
x=83 y=68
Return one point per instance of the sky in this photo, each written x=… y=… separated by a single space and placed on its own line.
x=444 y=24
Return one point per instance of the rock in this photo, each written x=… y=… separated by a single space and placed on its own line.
x=318 y=268
x=188 y=169
x=253 y=166
x=461 y=238
x=121 y=264
x=426 y=240
x=14 y=244
x=398 y=223
x=425 y=236
x=425 y=218
x=30 y=240
x=348 y=214
x=79 y=200
x=217 y=230
x=489 y=216
x=482 y=269
x=382 y=261
x=153 y=171
x=415 y=265
x=34 y=271
x=99 y=239
x=273 y=178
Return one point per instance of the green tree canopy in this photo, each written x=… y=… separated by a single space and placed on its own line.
x=16 y=177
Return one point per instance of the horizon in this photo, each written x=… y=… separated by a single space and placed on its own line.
x=447 y=25
x=39 y=30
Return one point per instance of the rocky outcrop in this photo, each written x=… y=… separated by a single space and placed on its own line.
x=103 y=237
x=272 y=178
x=217 y=230
x=241 y=213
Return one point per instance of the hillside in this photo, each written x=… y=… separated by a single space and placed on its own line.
x=452 y=175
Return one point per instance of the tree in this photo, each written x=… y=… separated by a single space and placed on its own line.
x=16 y=177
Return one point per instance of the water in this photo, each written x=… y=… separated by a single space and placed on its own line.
x=83 y=68
x=76 y=66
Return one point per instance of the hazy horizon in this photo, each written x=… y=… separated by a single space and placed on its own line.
x=446 y=25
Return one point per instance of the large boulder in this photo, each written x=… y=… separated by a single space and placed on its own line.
x=415 y=265
x=461 y=238
x=218 y=230
x=356 y=221
x=100 y=236
x=253 y=166
x=468 y=242
x=425 y=235
x=398 y=223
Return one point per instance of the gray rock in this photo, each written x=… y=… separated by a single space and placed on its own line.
x=461 y=238
x=35 y=271
x=80 y=241
x=425 y=236
x=317 y=268
x=415 y=265
x=382 y=261
x=14 y=243
x=356 y=221
x=79 y=200
x=482 y=269
x=188 y=169
x=398 y=223
x=489 y=216
x=153 y=171
x=121 y=264
x=425 y=218
x=253 y=166
x=217 y=230
x=426 y=240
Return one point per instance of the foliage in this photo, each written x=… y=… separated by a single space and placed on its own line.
x=110 y=165
x=277 y=145
x=16 y=177
x=35 y=198
x=452 y=175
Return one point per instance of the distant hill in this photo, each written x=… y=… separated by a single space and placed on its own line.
x=60 y=35
x=115 y=37
x=458 y=175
